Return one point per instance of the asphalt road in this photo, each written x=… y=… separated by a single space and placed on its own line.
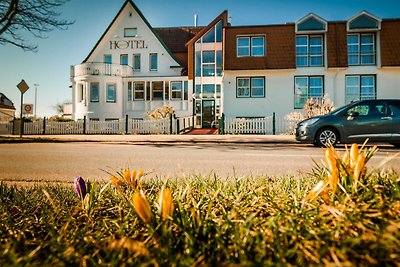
x=64 y=161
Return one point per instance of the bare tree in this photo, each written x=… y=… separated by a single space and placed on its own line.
x=37 y=17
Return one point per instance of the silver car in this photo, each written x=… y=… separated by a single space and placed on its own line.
x=378 y=120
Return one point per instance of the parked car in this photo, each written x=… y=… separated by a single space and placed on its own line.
x=378 y=120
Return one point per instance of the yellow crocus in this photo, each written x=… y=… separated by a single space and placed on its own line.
x=359 y=167
x=127 y=176
x=142 y=207
x=320 y=187
x=353 y=155
x=166 y=204
x=115 y=181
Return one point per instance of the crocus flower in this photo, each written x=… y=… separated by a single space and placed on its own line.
x=80 y=187
x=166 y=204
x=142 y=207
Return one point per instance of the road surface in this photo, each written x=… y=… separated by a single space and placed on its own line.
x=64 y=161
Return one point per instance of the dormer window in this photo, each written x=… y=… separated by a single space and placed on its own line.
x=130 y=32
x=361 y=39
x=310 y=41
x=363 y=21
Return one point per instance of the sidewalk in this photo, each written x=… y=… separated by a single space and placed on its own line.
x=285 y=139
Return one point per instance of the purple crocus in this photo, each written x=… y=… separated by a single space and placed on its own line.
x=80 y=187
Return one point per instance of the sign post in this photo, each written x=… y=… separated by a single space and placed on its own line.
x=23 y=87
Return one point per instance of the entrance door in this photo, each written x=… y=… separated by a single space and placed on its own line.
x=208 y=113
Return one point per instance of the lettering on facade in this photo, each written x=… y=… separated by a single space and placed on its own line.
x=131 y=44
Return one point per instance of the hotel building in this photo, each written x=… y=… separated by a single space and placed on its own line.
x=241 y=71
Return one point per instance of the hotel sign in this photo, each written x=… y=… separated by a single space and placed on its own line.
x=128 y=44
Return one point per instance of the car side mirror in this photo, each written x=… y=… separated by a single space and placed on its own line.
x=353 y=115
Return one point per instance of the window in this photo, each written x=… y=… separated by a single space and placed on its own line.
x=208 y=63
x=138 y=88
x=94 y=92
x=136 y=62
x=80 y=93
x=130 y=93
x=309 y=51
x=185 y=90
x=360 y=87
x=307 y=87
x=250 y=87
x=208 y=90
x=130 y=32
x=218 y=32
x=153 y=61
x=107 y=59
x=124 y=59
x=111 y=93
x=198 y=63
x=209 y=37
x=219 y=63
x=250 y=46
x=157 y=88
x=361 y=49
x=176 y=90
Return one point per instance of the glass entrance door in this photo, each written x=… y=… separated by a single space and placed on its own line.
x=208 y=113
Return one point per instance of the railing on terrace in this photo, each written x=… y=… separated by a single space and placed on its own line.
x=94 y=68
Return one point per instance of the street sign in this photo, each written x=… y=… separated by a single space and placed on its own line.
x=23 y=86
x=27 y=108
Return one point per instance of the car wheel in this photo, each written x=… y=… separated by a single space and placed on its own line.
x=326 y=136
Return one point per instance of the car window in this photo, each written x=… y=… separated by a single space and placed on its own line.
x=395 y=108
x=362 y=110
x=372 y=109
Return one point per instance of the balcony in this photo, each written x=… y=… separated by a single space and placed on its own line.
x=92 y=68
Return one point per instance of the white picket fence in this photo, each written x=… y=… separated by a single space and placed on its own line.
x=91 y=127
x=149 y=126
x=259 y=125
x=5 y=128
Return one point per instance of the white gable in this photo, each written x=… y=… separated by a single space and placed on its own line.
x=114 y=43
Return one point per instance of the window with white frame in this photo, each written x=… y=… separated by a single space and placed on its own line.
x=157 y=90
x=136 y=62
x=361 y=49
x=111 y=93
x=107 y=59
x=309 y=51
x=307 y=87
x=250 y=87
x=250 y=46
x=138 y=90
x=130 y=32
x=176 y=90
x=94 y=92
x=153 y=61
x=124 y=59
x=360 y=87
x=208 y=64
x=130 y=91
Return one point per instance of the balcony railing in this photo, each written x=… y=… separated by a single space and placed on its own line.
x=92 y=68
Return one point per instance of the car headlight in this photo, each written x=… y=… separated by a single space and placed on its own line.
x=309 y=122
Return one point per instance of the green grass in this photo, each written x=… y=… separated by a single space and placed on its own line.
x=217 y=221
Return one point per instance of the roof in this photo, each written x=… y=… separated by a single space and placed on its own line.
x=176 y=38
x=144 y=20
x=5 y=102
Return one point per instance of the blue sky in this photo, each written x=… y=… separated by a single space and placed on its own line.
x=50 y=66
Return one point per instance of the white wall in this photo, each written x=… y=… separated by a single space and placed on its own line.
x=280 y=89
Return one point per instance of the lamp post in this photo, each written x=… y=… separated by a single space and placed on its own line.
x=36 y=86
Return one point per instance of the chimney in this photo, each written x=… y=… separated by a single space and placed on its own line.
x=195 y=20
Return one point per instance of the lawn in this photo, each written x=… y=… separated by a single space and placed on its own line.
x=337 y=215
